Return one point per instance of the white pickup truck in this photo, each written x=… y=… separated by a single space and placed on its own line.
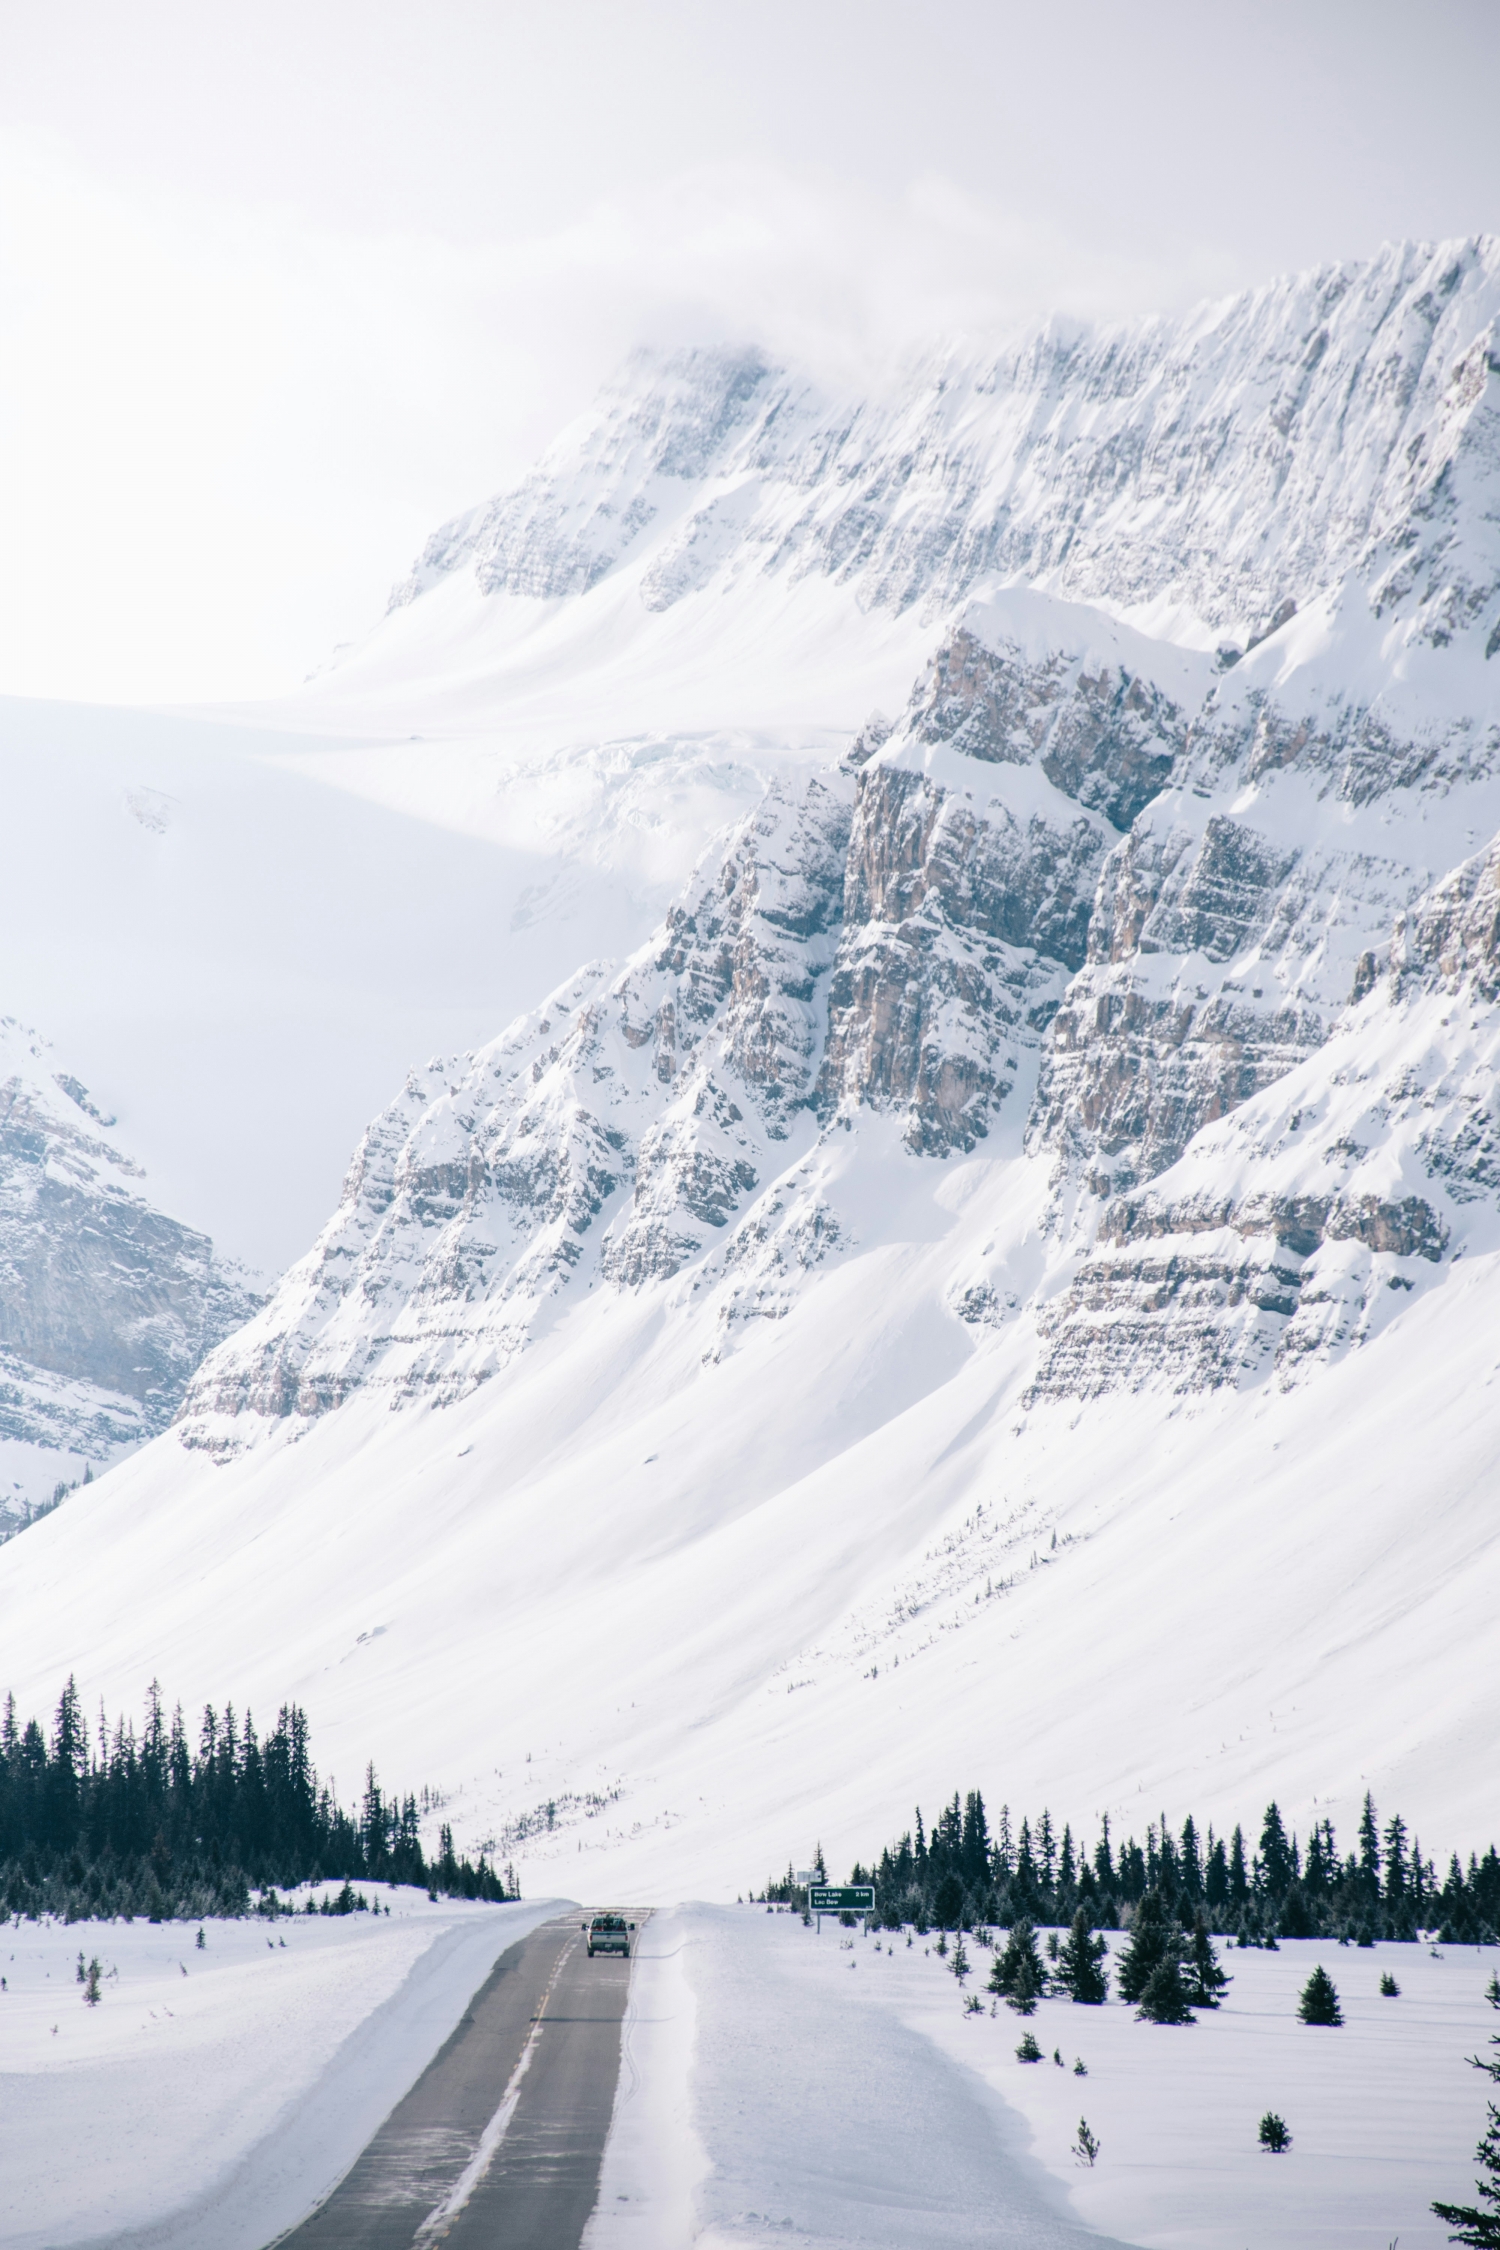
x=608 y=1933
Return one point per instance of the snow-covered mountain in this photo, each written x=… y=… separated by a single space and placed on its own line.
x=995 y=1287
x=106 y=1305
x=1197 y=476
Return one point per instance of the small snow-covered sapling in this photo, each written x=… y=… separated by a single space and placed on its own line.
x=1086 y=2147
x=1028 y=2051
x=201 y=1941
x=1274 y=2137
x=1080 y=2067
x=1389 y=1989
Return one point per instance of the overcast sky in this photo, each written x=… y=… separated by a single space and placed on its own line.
x=282 y=286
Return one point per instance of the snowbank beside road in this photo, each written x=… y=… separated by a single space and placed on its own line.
x=213 y=2097
x=810 y=2089
x=777 y=2100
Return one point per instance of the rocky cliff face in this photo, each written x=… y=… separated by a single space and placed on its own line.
x=1228 y=467
x=106 y=1305
x=1178 y=932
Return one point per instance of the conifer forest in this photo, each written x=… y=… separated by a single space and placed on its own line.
x=123 y=1824
x=961 y=1876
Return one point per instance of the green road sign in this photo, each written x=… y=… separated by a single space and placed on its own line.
x=848 y=1898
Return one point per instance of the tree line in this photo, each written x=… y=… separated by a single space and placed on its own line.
x=961 y=1876
x=116 y=1823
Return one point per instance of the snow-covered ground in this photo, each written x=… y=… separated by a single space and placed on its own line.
x=829 y=2089
x=777 y=2084
x=212 y=2096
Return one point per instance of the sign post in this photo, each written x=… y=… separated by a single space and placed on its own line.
x=840 y=1898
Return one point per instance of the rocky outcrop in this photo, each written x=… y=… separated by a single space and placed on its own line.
x=107 y=1306
x=1108 y=909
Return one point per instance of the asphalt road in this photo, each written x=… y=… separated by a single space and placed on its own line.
x=483 y=2151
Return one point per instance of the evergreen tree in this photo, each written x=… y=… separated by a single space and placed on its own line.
x=1369 y=1850
x=1206 y=1980
x=1003 y=1854
x=1275 y=1854
x=1274 y=2136
x=1080 y=1964
x=1471 y=2223
x=1017 y=1976
x=1046 y=1845
x=1165 y=1998
x=1152 y=1940
x=948 y=1903
x=974 y=1849
x=1397 y=1874
x=1320 y=2001
x=1239 y=1882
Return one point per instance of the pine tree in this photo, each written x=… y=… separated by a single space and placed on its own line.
x=1472 y=2225
x=1275 y=1854
x=1274 y=2136
x=1086 y=2147
x=1080 y=1964
x=1206 y=1980
x=1320 y=2001
x=948 y=1903
x=1017 y=1974
x=1152 y=1939
x=1239 y=1884
x=1165 y=1999
x=1369 y=1850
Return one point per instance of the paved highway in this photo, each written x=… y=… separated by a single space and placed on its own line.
x=500 y=2139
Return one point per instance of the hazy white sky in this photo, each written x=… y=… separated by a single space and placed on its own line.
x=282 y=286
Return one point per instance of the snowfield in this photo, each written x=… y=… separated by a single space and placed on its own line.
x=777 y=2085
x=212 y=2097
x=828 y=2089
